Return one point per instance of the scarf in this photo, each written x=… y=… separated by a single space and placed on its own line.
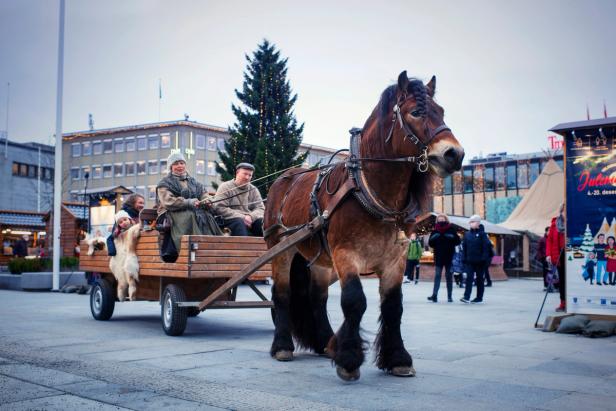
x=172 y=183
x=117 y=230
x=560 y=223
x=442 y=227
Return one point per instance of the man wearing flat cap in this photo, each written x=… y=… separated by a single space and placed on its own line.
x=240 y=203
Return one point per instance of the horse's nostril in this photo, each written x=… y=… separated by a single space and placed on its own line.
x=451 y=155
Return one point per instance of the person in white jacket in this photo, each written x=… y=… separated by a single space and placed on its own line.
x=125 y=265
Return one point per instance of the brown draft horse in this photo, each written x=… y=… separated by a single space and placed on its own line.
x=405 y=126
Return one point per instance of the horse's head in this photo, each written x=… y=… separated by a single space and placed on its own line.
x=418 y=128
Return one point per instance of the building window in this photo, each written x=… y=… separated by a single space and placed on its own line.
x=75 y=173
x=76 y=149
x=48 y=173
x=140 y=167
x=108 y=146
x=499 y=177
x=85 y=172
x=153 y=141
x=107 y=171
x=32 y=171
x=534 y=171
x=118 y=169
x=211 y=168
x=211 y=143
x=200 y=168
x=130 y=143
x=119 y=145
x=447 y=185
x=523 y=175
x=468 y=180
x=165 y=140
x=130 y=169
x=221 y=145
x=15 y=169
x=152 y=193
x=142 y=143
x=97 y=148
x=488 y=180
x=163 y=166
x=86 y=148
x=153 y=166
x=141 y=191
x=200 y=141
x=97 y=171
x=511 y=177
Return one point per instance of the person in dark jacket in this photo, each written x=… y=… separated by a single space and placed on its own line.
x=133 y=205
x=476 y=246
x=20 y=249
x=443 y=241
x=486 y=272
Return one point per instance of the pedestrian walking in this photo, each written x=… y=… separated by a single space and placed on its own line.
x=476 y=246
x=443 y=241
x=555 y=255
x=486 y=271
x=413 y=254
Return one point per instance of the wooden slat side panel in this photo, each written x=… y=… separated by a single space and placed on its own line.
x=225 y=267
x=227 y=274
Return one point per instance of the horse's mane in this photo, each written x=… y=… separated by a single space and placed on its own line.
x=421 y=186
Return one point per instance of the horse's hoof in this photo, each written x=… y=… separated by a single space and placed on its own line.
x=347 y=375
x=284 y=355
x=403 y=371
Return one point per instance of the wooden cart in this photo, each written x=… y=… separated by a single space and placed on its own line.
x=205 y=275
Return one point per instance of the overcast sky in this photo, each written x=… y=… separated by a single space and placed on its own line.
x=507 y=71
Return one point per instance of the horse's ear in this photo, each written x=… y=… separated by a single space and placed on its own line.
x=403 y=82
x=431 y=86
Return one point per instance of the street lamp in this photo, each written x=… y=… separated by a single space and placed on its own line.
x=86 y=176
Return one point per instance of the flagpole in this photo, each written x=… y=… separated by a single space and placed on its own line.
x=57 y=180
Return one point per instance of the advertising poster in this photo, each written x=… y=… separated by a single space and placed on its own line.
x=591 y=220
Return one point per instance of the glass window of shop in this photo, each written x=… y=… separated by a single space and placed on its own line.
x=108 y=146
x=468 y=180
x=153 y=166
x=118 y=144
x=86 y=148
x=200 y=141
x=211 y=143
x=165 y=140
x=97 y=171
x=534 y=171
x=511 y=177
x=488 y=180
x=200 y=167
x=523 y=175
x=107 y=171
x=140 y=167
x=76 y=149
x=97 y=148
x=153 y=141
x=130 y=169
x=130 y=143
x=447 y=185
x=499 y=177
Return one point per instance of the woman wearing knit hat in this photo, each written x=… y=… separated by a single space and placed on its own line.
x=185 y=200
x=443 y=240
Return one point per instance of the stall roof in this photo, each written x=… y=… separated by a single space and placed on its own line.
x=583 y=124
x=105 y=190
x=463 y=223
x=21 y=219
x=79 y=211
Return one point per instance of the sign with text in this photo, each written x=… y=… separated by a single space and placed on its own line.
x=591 y=220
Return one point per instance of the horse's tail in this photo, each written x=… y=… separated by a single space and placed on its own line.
x=301 y=308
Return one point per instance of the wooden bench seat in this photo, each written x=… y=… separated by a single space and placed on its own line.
x=199 y=257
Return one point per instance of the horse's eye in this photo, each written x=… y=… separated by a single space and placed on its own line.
x=415 y=113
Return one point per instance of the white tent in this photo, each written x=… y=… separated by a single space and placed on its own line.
x=540 y=204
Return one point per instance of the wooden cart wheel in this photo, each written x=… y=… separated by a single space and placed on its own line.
x=102 y=300
x=174 y=317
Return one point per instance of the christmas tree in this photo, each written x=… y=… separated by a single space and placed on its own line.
x=588 y=243
x=266 y=132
